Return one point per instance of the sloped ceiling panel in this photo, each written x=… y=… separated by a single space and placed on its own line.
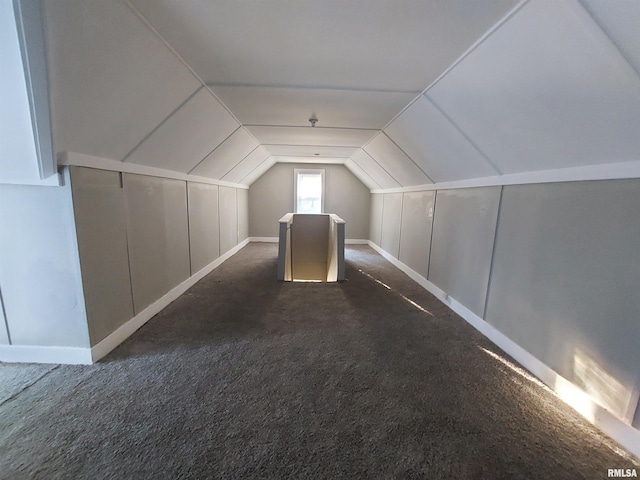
x=359 y=44
x=247 y=165
x=374 y=170
x=226 y=155
x=547 y=90
x=112 y=81
x=436 y=145
x=294 y=106
x=187 y=136
x=361 y=175
x=396 y=162
x=329 y=137
x=621 y=21
x=260 y=170
x=310 y=151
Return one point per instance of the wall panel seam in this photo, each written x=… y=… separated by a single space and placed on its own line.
x=433 y=221
x=155 y=129
x=493 y=254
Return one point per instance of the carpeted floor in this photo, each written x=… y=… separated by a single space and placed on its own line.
x=244 y=377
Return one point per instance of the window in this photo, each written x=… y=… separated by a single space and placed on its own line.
x=309 y=191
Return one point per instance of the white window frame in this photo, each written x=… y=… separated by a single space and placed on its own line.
x=296 y=172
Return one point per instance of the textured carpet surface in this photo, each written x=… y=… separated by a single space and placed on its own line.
x=244 y=377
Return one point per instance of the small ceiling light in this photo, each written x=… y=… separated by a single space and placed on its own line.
x=313 y=121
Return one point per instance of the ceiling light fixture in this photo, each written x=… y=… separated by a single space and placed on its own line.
x=313 y=121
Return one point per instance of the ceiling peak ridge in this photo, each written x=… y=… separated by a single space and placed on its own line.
x=213 y=85
x=317 y=127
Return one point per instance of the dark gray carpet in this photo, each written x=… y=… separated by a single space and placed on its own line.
x=245 y=377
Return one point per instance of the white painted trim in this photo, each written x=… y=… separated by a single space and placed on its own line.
x=52 y=181
x=82 y=160
x=356 y=241
x=617 y=429
x=612 y=171
x=109 y=343
x=42 y=354
x=263 y=239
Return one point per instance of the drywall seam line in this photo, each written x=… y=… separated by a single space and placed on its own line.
x=466 y=53
x=186 y=187
x=493 y=255
x=319 y=127
x=155 y=129
x=312 y=145
x=235 y=192
x=219 y=222
x=319 y=157
x=307 y=87
x=214 y=149
x=4 y=313
x=75 y=245
x=433 y=221
x=380 y=165
x=259 y=163
x=408 y=156
x=363 y=171
x=610 y=38
x=463 y=133
x=382 y=218
x=400 y=228
x=267 y=145
x=126 y=236
x=242 y=160
x=257 y=166
x=181 y=60
x=28 y=385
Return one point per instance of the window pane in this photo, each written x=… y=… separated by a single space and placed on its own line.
x=309 y=193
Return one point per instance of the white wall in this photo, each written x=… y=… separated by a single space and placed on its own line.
x=558 y=265
x=101 y=225
x=271 y=196
x=204 y=224
x=39 y=267
x=140 y=236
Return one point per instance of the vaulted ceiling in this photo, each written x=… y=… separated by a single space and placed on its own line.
x=405 y=93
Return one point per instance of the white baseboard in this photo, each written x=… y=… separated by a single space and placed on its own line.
x=106 y=345
x=348 y=241
x=87 y=356
x=576 y=398
x=356 y=241
x=42 y=354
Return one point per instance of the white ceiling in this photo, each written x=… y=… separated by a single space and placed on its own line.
x=405 y=93
x=352 y=65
